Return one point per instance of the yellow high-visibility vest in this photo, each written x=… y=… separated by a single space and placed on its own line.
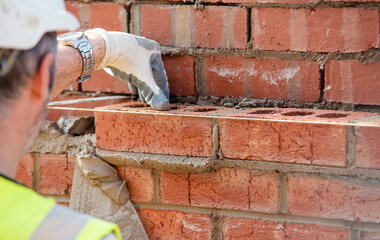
x=26 y=215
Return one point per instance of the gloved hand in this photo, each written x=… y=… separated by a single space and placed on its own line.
x=137 y=61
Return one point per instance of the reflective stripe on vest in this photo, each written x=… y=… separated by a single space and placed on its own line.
x=26 y=215
x=61 y=222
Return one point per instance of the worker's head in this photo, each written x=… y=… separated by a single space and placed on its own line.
x=28 y=37
x=27 y=52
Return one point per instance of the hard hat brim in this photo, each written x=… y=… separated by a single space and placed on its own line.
x=35 y=27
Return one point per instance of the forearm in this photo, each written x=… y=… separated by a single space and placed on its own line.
x=68 y=67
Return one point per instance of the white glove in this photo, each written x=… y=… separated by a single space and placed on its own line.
x=137 y=61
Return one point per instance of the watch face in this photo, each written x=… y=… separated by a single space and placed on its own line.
x=70 y=36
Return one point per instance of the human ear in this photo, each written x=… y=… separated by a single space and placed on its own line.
x=39 y=86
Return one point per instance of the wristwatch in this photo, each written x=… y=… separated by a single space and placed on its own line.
x=79 y=41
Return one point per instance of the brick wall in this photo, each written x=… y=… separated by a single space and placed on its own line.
x=218 y=172
x=308 y=51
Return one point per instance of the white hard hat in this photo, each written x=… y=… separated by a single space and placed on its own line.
x=24 y=22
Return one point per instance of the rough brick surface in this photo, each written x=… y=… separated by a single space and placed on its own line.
x=283 y=142
x=56 y=173
x=350 y=81
x=265 y=78
x=110 y=16
x=182 y=26
x=156 y=23
x=180 y=71
x=25 y=170
x=161 y=224
x=370 y=235
x=243 y=228
x=367 y=147
x=328 y=198
x=174 y=188
x=139 y=183
x=177 y=135
x=103 y=82
x=235 y=189
x=317 y=30
x=223 y=27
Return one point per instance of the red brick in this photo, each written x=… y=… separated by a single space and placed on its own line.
x=110 y=16
x=367 y=147
x=56 y=173
x=162 y=224
x=291 y=142
x=263 y=192
x=103 y=82
x=317 y=30
x=214 y=26
x=25 y=170
x=153 y=133
x=180 y=71
x=235 y=189
x=139 y=182
x=223 y=27
x=350 y=81
x=370 y=236
x=329 y=198
x=174 y=188
x=265 y=78
x=156 y=23
x=243 y=228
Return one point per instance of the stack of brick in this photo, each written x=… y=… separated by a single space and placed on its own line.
x=212 y=172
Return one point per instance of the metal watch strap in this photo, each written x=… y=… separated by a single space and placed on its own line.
x=88 y=59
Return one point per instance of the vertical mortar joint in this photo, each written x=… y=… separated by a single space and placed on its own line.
x=350 y=146
x=36 y=172
x=322 y=84
x=283 y=193
x=249 y=29
x=156 y=185
x=354 y=234
x=217 y=227
x=215 y=140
